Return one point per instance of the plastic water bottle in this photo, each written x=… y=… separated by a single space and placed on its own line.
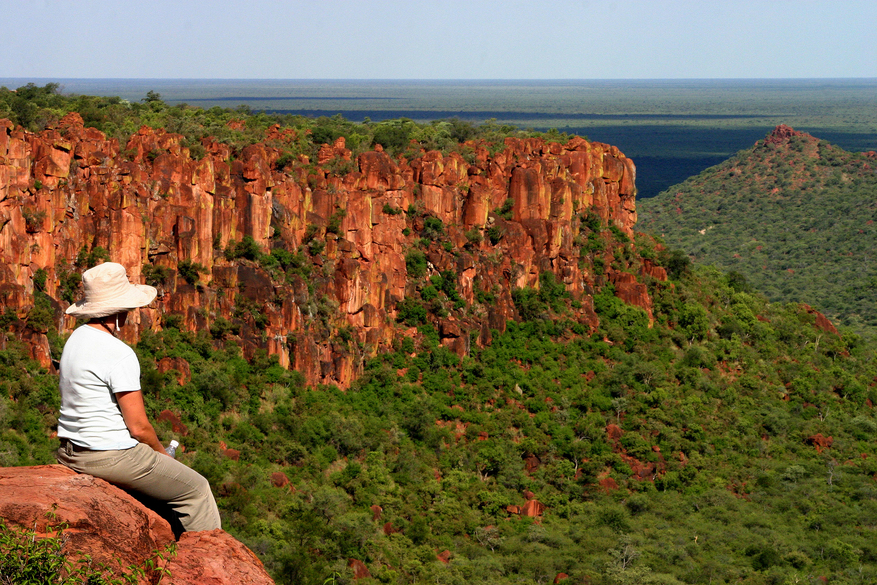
x=172 y=448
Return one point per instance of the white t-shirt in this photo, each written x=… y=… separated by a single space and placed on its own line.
x=94 y=366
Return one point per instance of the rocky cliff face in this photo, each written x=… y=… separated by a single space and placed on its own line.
x=68 y=192
x=115 y=530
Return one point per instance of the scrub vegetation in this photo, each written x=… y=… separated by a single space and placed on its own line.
x=36 y=108
x=728 y=442
x=27 y=558
x=795 y=216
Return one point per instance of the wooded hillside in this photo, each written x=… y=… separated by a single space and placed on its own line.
x=794 y=214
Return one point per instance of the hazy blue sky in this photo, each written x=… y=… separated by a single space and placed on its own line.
x=435 y=39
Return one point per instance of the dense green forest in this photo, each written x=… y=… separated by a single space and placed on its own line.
x=727 y=441
x=795 y=216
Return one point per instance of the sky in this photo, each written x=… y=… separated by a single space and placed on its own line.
x=439 y=39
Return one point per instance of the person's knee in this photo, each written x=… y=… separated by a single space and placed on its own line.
x=205 y=515
x=205 y=491
x=202 y=484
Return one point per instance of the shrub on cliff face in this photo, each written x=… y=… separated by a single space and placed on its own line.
x=333 y=226
x=69 y=282
x=473 y=237
x=246 y=309
x=39 y=279
x=613 y=310
x=316 y=246
x=191 y=271
x=495 y=233
x=505 y=211
x=390 y=210
x=539 y=304
x=247 y=248
x=88 y=259
x=222 y=328
x=291 y=263
x=41 y=317
x=155 y=275
x=410 y=312
x=415 y=263
x=433 y=228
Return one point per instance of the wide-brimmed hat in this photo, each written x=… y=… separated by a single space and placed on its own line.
x=107 y=292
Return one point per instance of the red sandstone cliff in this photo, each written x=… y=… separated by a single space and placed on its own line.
x=148 y=202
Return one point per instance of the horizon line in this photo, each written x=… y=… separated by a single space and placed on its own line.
x=464 y=79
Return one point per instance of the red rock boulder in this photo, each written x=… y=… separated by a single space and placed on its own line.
x=113 y=528
x=213 y=557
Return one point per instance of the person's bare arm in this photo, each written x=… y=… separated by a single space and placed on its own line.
x=134 y=413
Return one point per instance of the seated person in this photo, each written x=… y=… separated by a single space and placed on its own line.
x=103 y=426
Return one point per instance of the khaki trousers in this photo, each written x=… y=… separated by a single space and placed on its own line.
x=157 y=476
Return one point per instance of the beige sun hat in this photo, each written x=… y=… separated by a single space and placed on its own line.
x=107 y=292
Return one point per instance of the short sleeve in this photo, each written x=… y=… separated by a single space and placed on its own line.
x=125 y=375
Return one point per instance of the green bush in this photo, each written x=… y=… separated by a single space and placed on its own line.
x=694 y=321
x=390 y=210
x=495 y=233
x=539 y=304
x=676 y=262
x=334 y=224
x=393 y=135
x=222 y=328
x=155 y=275
x=473 y=236
x=415 y=263
x=172 y=321
x=247 y=248
x=41 y=317
x=86 y=259
x=39 y=279
x=410 y=312
x=433 y=228
x=191 y=271
x=292 y=263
